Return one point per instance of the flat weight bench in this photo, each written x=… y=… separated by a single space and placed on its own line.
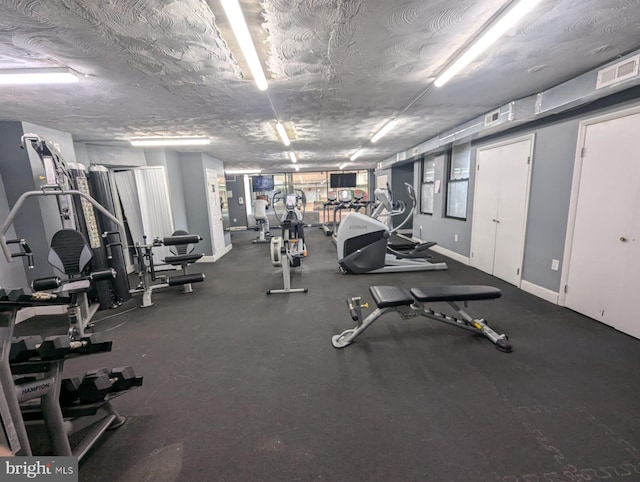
x=412 y=303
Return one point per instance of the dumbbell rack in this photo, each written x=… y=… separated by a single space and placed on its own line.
x=45 y=387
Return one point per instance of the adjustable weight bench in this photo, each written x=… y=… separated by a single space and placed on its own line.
x=411 y=303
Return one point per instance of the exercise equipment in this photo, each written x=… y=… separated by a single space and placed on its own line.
x=183 y=255
x=55 y=347
x=363 y=241
x=291 y=244
x=69 y=391
x=262 y=234
x=58 y=179
x=97 y=384
x=71 y=255
x=362 y=248
x=100 y=188
x=261 y=223
x=36 y=395
x=332 y=200
x=412 y=303
x=345 y=197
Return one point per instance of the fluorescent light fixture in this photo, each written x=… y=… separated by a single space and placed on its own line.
x=282 y=133
x=342 y=166
x=241 y=31
x=296 y=167
x=386 y=128
x=169 y=141
x=356 y=154
x=243 y=171
x=293 y=157
x=38 y=76
x=506 y=21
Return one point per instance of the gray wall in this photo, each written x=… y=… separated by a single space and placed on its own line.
x=551 y=178
x=217 y=165
x=110 y=155
x=193 y=167
x=170 y=160
x=237 y=212
x=437 y=227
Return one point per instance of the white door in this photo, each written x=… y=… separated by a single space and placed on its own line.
x=485 y=211
x=215 y=214
x=500 y=209
x=604 y=268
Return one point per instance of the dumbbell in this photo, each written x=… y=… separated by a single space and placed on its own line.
x=97 y=384
x=23 y=296
x=24 y=348
x=69 y=391
x=55 y=347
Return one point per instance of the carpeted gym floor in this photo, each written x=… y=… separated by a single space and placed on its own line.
x=241 y=386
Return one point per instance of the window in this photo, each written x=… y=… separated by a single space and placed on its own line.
x=458 y=182
x=427 y=185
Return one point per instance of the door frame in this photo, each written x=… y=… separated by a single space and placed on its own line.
x=575 y=190
x=513 y=140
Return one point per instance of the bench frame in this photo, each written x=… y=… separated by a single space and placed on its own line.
x=413 y=309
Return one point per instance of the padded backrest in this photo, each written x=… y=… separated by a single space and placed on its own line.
x=69 y=252
x=179 y=249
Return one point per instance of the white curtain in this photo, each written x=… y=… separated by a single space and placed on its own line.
x=145 y=201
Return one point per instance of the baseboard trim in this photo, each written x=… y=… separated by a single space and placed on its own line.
x=450 y=254
x=540 y=292
x=215 y=257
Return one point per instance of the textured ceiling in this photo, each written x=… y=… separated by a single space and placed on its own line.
x=337 y=69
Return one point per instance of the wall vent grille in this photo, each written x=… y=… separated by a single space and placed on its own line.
x=492 y=118
x=619 y=72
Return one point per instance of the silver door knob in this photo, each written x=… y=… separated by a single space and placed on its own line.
x=623 y=239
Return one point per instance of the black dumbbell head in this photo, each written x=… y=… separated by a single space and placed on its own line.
x=24 y=348
x=54 y=347
x=69 y=391
x=124 y=377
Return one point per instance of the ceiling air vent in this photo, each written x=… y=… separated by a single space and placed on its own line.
x=492 y=118
x=618 y=72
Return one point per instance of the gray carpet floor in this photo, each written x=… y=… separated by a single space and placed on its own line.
x=242 y=386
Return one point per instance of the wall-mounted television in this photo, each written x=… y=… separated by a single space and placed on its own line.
x=262 y=183
x=344 y=179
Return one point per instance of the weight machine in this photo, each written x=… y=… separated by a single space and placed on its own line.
x=57 y=184
x=182 y=256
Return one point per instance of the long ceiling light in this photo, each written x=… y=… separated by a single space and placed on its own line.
x=296 y=167
x=386 y=128
x=241 y=31
x=342 y=166
x=293 y=157
x=169 y=141
x=506 y=21
x=243 y=171
x=282 y=133
x=356 y=154
x=37 y=76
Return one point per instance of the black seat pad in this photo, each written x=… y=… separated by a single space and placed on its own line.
x=456 y=293
x=387 y=296
x=181 y=258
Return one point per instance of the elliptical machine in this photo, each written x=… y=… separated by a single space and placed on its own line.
x=291 y=244
x=363 y=241
x=264 y=236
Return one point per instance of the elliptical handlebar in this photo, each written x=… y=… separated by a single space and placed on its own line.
x=412 y=195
